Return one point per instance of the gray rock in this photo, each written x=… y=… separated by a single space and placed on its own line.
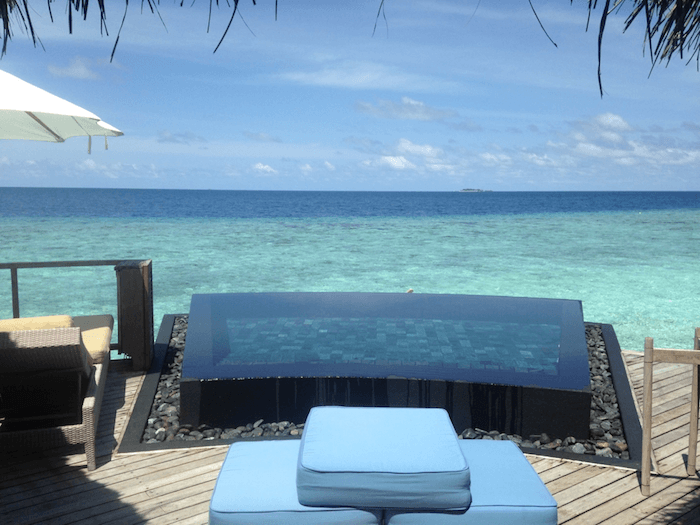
x=604 y=452
x=578 y=448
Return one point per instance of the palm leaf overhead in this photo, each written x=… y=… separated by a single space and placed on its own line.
x=672 y=27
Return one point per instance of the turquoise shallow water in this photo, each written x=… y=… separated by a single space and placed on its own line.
x=635 y=270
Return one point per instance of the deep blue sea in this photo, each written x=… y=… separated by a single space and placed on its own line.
x=632 y=258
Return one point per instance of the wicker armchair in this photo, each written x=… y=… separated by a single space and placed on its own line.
x=52 y=381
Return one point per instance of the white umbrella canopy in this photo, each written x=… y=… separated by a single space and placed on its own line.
x=30 y=113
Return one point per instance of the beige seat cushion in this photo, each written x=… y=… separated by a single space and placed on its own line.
x=96 y=334
x=36 y=323
x=27 y=351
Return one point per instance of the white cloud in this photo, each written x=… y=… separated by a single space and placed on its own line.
x=669 y=156
x=397 y=163
x=539 y=160
x=635 y=153
x=407 y=109
x=114 y=171
x=366 y=75
x=441 y=167
x=611 y=121
x=306 y=168
x=264 y=169
x=88 y=165
x=409 y=148
x=591 y=150
x=492 y=159
x=329 y=166
x=78 y=68
x=611 y=136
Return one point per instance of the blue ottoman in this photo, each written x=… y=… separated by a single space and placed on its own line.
x=505 y=490
x=382 y=458
x=257 y=485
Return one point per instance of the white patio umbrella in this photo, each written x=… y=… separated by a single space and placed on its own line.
x=30 y=113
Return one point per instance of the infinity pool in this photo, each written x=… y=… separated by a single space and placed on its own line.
x=522 y=349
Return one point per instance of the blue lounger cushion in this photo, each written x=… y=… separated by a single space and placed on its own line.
x=382 y=458
x=256 y=485
x=505 y=490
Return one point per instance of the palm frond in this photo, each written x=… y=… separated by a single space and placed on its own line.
x=672 y=27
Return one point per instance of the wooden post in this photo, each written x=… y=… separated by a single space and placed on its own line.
x=646 y=424
x=694 y=400
x=135 y=311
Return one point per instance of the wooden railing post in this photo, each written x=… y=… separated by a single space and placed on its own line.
x=665 y=355
x=694 y=400
x=135 y=311
x=646 y=423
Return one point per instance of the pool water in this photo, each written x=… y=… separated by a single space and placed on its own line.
x=464 y=344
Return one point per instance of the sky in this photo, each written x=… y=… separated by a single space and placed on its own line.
x=444 y=95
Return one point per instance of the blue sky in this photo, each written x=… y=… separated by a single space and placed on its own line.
x=445 y=95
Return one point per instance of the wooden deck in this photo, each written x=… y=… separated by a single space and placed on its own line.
x=175 y=486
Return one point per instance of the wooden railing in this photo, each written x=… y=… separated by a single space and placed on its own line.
x=134 y=302
x=665 y=355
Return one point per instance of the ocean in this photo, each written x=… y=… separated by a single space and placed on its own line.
x=630 y=257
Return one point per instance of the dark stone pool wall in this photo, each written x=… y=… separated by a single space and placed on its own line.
x=511 y=409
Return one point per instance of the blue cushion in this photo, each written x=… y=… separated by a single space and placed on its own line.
x=505 y=490
x=256 y=486
x=382 y=458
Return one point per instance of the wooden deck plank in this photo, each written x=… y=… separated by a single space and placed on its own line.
x=559 y=472
x=586 y=488
x=666 y=490
x=619 y=509
x=676 y=424
x=606 y=502
x=690 y=502
x=154 y=504
x=679 y=511
x=671 y=380
x=546 y=465
x=670 y=401
x=581 y=498
x=574 y=478
x=128 y=485
x=674 y=408
x=670 y=437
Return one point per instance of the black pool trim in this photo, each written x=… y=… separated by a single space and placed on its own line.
x=131 y=441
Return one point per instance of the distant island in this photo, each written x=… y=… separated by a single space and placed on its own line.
x=473 y=190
